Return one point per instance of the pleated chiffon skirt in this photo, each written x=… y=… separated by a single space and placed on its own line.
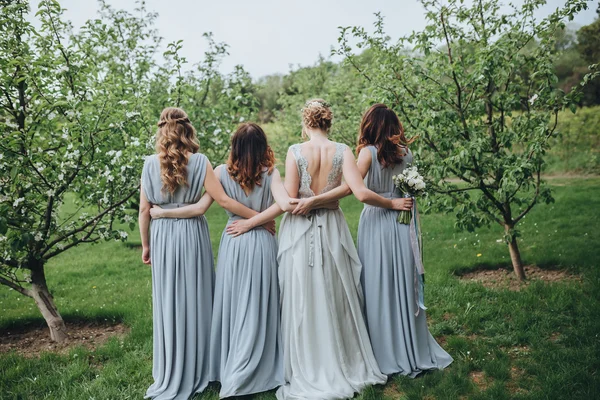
x=182 y=298
x=401 y=341
x=246 y=351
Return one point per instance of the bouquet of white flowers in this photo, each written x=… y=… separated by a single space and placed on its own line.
x=411 y=184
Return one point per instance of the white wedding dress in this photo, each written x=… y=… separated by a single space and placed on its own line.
x=327 y=352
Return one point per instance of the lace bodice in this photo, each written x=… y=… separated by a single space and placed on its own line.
x=334 y=179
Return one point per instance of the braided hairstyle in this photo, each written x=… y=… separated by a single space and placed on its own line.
x=176 y=137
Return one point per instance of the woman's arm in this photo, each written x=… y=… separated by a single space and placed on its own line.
x=326 y=199
x=144 y=223
x=282 y=203
x=215 y=190
x=193 y=210
x=362 y=193
x=280 y=194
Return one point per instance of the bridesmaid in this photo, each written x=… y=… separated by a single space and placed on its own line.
x=246 y=353
x=397 y=323
x=180 y=253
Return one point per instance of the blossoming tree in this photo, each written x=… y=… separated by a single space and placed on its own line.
x=77 y=115
x=478 y=85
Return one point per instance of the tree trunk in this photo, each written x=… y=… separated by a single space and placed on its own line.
x=45 y=303
x=515 y=254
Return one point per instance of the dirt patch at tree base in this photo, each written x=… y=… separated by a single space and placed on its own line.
x=503 y=278
x=31 y=341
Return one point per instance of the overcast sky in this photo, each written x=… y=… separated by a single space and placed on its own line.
x=269 y=36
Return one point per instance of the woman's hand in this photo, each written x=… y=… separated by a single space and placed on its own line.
x=402 y=204
x=270 y=227
x=146 y=256
x=156 y=212
x=303 y=207
x=239 y=227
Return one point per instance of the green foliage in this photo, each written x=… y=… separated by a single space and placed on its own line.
x=588 y=38
x=340 y=85
x=459 y=98
x=77 y=112
x=576 y=148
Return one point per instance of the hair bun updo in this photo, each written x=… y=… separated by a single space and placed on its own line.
x=317 y=114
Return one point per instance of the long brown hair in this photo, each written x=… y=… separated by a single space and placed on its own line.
x=380 y=127
x=250 y=155
x=176 y=137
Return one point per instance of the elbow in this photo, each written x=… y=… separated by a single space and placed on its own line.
x=287 y=207
x=224 y=202
x=361 y=195
x=347 y=192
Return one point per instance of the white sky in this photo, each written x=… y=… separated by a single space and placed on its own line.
x=270 y=36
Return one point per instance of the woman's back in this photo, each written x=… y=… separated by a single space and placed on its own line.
x=152 y=182
x=259 y=199
x=319 y=166
x=379 y=178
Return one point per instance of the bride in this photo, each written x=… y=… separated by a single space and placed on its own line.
x=327 y=352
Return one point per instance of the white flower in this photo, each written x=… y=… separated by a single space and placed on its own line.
x=123 y=234
x=61 y=176
x=123 y=102
x=216 y=131
x=38 y=237
x=63 y=68
x=11 y=124
x=131 y=114
x=18 y=201
x=51 y=116
x=50 y=192
x=242 y=119
x=60 y=246
x=533 y=99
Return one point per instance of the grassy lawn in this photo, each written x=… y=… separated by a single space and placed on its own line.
x=538 y=343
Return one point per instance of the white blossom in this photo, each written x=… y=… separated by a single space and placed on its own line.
x=18 y=201
x=533 y=99
x=38 y=236
x=132 y=114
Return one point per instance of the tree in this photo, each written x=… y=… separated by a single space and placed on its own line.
x=78 y=113
x=481 y=95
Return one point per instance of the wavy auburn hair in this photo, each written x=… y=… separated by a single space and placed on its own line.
x=250 y=155
x=380 y=127
x=176 y=137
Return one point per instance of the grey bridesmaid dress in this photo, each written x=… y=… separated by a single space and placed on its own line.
x=246 y=351
x=182 y=287
x=401 y=341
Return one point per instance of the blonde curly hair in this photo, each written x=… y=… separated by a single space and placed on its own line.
x=317 y=114
x=176 y=137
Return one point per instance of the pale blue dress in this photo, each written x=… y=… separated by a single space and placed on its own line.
x=182 y=287
x=401 y=341
x=327 y=352
x=246 y=351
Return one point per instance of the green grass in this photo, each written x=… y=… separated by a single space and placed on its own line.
x=500 y=335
